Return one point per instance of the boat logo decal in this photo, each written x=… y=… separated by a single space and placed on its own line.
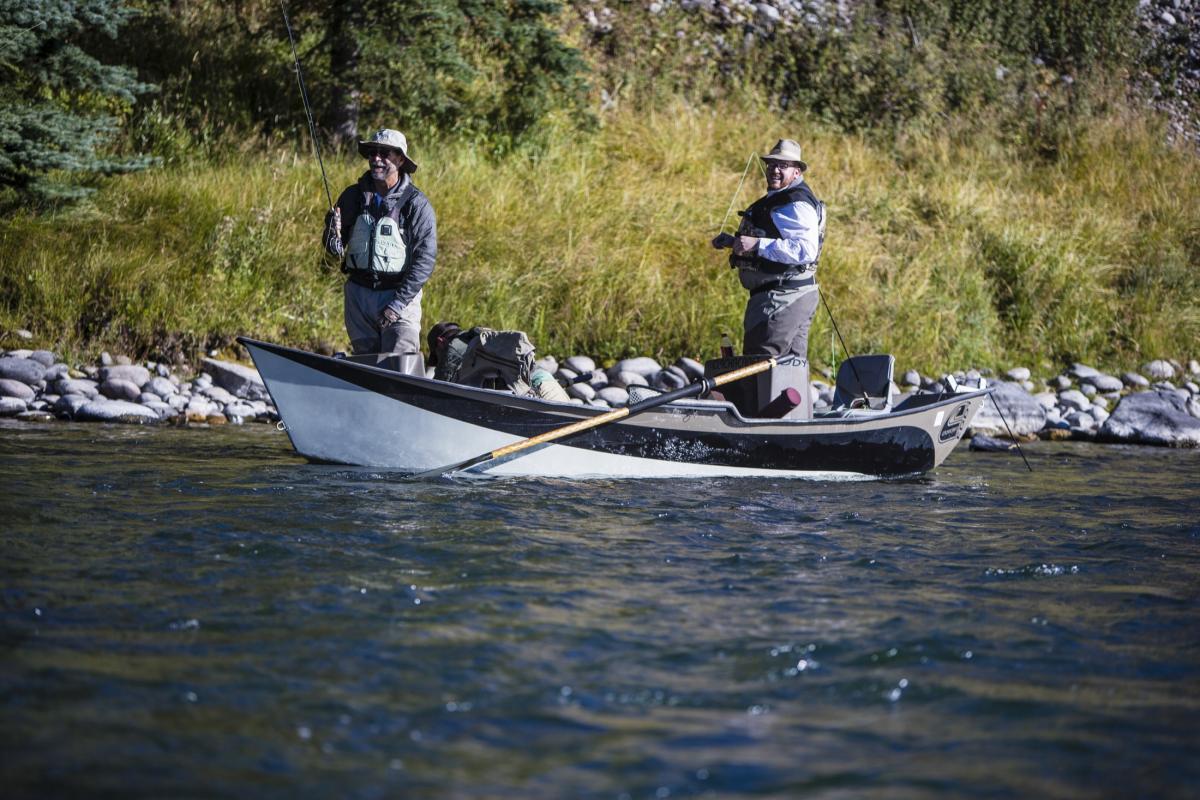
x=954 y=426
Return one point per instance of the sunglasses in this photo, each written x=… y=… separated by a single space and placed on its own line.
x=383 y=151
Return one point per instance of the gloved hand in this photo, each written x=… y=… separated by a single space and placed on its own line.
x=744 y=245
x=722 y=241
x=389 y=316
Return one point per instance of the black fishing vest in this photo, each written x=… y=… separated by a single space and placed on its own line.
x=756 y=221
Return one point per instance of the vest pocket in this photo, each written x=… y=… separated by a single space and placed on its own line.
x=389 y=246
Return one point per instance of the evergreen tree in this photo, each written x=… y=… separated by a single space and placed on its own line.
x=58 y=104
x=490 y=67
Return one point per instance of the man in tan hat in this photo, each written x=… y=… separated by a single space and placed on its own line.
x=384 y=231
x=775 y=252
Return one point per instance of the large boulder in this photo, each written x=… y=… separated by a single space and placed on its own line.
x=1025 y=415
x=1158 y=417
x=115 y=411
x=240 y=381
x=25 y=370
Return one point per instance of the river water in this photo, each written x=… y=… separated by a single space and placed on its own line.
x=200 y=613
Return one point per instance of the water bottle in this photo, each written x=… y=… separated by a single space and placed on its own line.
x=726 y=346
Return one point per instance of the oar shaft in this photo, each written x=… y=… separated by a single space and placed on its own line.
x=558 y=433
x=690 y=390
x=612 y=416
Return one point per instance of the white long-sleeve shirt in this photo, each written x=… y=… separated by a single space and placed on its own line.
x=800 y=231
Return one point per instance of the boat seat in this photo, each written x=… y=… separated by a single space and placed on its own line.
x=864 y=383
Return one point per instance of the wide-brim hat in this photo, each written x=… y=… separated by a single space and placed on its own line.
x=386 y=138
x=786 y=150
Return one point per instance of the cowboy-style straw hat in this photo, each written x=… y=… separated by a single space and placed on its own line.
x=786 y=150
x=386 y=138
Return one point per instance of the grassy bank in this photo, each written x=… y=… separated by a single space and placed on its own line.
x=948 y=250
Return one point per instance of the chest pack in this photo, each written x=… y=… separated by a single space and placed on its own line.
x=488 y=358
x=756 y=271
x=377 y=244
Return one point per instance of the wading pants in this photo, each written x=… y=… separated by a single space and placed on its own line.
x=777 y=322
x=362 y=309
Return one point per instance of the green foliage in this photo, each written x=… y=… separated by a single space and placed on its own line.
x=493 y=70
x=59 y=104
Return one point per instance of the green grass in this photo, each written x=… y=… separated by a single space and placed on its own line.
x=947 y=249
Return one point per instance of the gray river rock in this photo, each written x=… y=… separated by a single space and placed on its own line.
x=623 y=379
x=1159 y=370
x=56 y=372
x=691 y=367
x=68 y=404
x=581 y=391
x=1074 y=400
x=613 y=395
x=120 y=389
x=77 y=386
x=218 y=395
x=580 y=364
x=25 y=370
x=1024 y=414
x=162 y=387
x=135 y=374
x=641 y=365
x=1082 y=372
x=11 y=406
x=669 y=379
x=1104 y=383
x=240 y=381
x=115 y=411
x=1158 y=417
x=14 y=388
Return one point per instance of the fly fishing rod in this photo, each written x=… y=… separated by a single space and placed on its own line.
x=312 y=126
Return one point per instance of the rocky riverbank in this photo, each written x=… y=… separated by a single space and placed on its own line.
x=1158 y=405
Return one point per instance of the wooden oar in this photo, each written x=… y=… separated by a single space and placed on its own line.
x=699 y=387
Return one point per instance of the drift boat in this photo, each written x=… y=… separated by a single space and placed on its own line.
x=370 y=412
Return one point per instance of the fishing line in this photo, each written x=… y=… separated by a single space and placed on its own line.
x=849 y=360
x=312 y=126
x=737 y=192
x=1010 y=433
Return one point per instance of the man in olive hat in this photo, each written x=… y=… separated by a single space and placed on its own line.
x=775 y=252
x=384 y=232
